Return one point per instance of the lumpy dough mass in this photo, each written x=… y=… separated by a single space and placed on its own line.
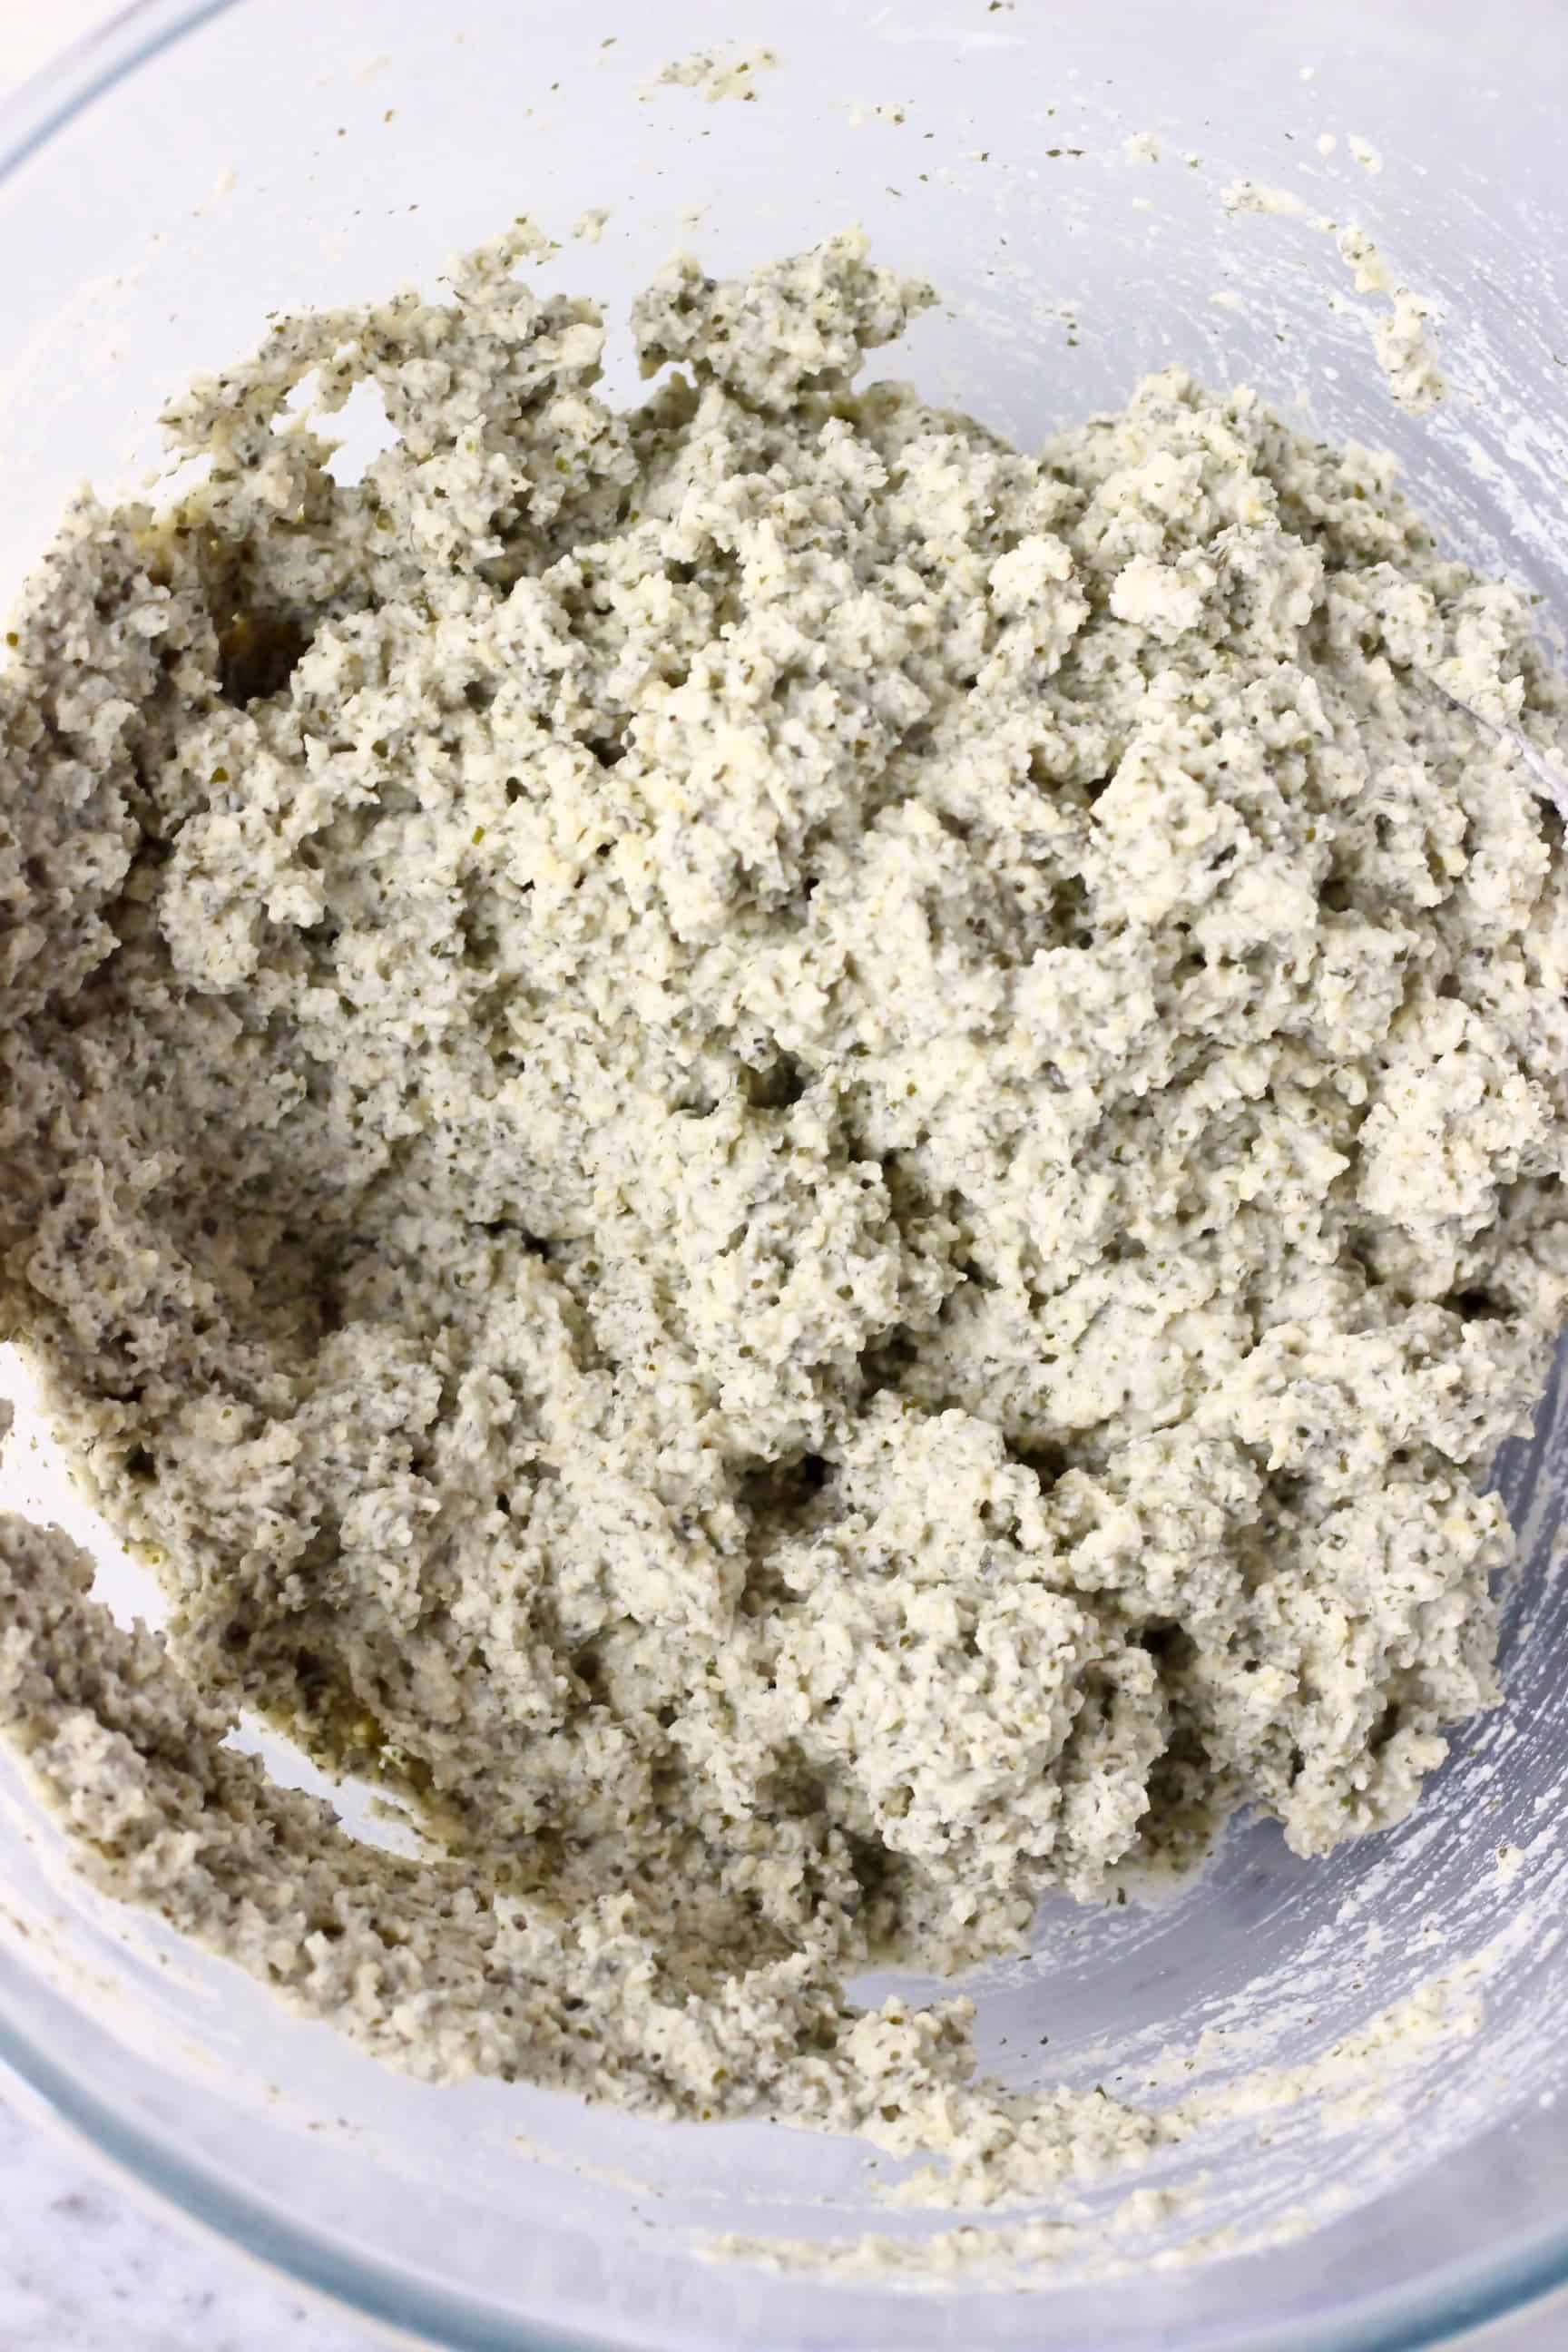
x=800 y=1162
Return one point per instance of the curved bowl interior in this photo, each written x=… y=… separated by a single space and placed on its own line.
x=197 y=168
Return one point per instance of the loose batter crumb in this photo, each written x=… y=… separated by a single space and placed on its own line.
x=727 y=71
x=1401 y=335
x=799 y=1162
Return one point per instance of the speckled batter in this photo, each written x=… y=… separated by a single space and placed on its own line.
x=798 y=1162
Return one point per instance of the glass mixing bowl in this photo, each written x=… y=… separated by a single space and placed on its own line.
x=198 y=165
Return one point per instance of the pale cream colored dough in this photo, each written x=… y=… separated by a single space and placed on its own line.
x=800 y=1161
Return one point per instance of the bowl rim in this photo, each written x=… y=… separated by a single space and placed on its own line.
x=1456 y=2299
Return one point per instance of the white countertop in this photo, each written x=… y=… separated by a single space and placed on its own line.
x=85 y=2266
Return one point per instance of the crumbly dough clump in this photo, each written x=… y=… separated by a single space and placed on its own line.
x=799 y=1162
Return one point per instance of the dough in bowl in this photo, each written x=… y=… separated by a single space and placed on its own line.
x=799 y=1163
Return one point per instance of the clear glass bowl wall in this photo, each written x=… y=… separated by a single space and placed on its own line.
x=197 y=167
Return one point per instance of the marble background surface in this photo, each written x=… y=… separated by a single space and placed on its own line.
x=85 y=2267
x=85 y=2264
